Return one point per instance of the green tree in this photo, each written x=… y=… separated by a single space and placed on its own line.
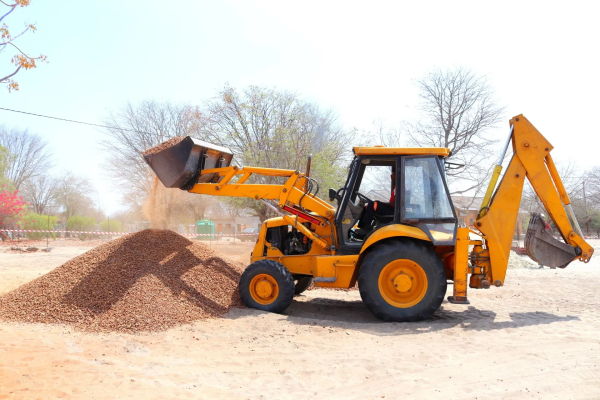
x=81 y=223
x=35 y=221
x=110 y=225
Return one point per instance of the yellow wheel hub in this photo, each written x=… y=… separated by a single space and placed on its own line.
x=402 y=283
x=264 y=289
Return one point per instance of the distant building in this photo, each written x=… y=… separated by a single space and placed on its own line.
x=235 y=225
x=467 y=209
x=137 y=226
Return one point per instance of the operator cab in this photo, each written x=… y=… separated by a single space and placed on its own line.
x=409 y=190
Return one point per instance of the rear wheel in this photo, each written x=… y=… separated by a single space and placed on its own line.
x=402 y=281
x=302 y=283
x=267 y=285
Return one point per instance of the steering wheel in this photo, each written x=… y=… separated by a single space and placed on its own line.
x=363 y=197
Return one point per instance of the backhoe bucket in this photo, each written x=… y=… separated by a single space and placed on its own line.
x=180 y=165
x=543 y=248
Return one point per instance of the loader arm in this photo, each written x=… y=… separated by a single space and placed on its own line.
x=291 y=196
x=498 y=216
x=203 y=168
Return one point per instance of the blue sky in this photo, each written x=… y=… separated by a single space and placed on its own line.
x=361 y=58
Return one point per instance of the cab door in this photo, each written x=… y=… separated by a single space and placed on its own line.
x=369 y=180
x=425 y=200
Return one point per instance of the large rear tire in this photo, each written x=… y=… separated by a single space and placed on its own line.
x=267 y=285
x=402 y=281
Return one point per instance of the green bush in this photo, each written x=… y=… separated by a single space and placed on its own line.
x=112 y=225
x=35 y=221
x=80 y=223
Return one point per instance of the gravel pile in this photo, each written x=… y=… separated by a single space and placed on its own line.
x=147 y=281
x=164 y=145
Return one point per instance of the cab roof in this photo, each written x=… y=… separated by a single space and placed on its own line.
x=409 y=151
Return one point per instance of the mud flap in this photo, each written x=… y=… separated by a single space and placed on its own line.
x=543 y=248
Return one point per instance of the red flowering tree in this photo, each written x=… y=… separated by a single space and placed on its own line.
x=12 y=208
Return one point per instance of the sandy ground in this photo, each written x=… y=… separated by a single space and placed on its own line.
x=537 y=337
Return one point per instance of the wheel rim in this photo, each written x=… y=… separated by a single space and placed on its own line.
x=402 y=283
x=264 y=289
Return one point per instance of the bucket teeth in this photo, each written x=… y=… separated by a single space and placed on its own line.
x=543 y=248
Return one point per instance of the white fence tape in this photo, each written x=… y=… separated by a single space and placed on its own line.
x=127 y=233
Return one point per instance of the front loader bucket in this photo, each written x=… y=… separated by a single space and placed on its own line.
x=543 y=248
x=179 y=165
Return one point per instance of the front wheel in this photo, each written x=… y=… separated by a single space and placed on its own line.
x=402 y=281
x=302 y=282
x=267 y=285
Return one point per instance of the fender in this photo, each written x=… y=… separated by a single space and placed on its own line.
x=394 y=230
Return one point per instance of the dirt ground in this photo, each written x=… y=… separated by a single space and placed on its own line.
x=536 y=337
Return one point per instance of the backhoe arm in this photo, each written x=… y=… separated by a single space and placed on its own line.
x=497 y=220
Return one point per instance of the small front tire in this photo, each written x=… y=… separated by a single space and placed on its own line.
x=303 y=282
x=267 y=285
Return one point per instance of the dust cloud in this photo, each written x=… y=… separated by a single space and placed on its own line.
x=155 y=207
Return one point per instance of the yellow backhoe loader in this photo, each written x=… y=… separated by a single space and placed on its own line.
x=401 y=260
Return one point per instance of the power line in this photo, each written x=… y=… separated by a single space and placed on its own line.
x=68 y=120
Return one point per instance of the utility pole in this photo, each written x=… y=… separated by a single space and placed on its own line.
x=587 y=221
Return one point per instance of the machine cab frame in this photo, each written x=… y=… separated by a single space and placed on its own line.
x=421 y=200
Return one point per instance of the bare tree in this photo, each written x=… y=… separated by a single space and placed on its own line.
x=389 y=136
x=134 y=129
x=197 y=205
x=40 y=193
x=4 y=159
x=72 y=195
x=276 y=129
x=29 y=155
x=458 y=109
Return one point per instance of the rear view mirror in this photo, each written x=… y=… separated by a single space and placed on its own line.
x=332 y=194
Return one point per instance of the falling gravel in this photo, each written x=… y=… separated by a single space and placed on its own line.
x=164 y=145
x=147 y=281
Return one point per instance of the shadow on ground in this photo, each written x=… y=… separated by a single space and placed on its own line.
x=346 y=314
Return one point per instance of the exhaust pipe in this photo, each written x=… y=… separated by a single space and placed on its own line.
x=180 y=164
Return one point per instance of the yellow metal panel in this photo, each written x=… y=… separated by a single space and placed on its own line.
x=258 y=251
x=441 y=236
x=461 y=264
x=557 y=181
x=266 y=171
x=409 y=151
x=393 y=231
x=253 y=191
x=299 y=264
x=340 y=267
x=498 y=225
x=285 y=191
